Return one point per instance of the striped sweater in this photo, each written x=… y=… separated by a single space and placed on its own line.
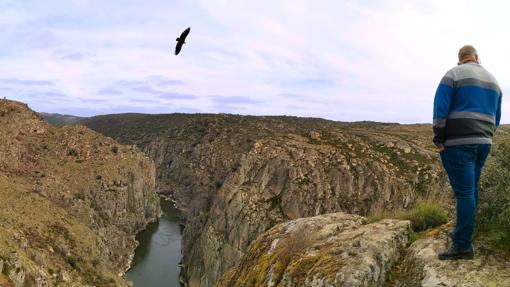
x=467 y=106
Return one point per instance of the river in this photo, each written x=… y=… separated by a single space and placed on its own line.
x=156 y=261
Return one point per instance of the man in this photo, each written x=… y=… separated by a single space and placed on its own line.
x=467 y=110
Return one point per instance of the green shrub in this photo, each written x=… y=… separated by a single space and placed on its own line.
x=494 y=203
x=73 y=261
x=425 y=215
x=7 y=268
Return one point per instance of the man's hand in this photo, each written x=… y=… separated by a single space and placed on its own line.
x=440 y=148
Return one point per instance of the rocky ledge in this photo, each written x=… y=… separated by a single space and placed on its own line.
x=421 y=268
x=329 y=250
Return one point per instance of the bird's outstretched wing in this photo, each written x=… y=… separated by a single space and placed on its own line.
x=178 y=47
x=181 y=40
x=184 y=34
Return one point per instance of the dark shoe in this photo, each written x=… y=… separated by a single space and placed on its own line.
x=454 y=253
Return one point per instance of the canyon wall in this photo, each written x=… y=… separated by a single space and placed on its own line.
x=235 y=177
x=71 y=201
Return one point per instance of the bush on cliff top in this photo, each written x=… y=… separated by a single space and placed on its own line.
x=424 y=215
x=494 y=203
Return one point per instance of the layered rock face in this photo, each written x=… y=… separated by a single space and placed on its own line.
x=235 y=177
x=328 y=250
x=71 y=202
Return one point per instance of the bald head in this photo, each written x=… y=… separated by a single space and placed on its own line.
x=468 y=54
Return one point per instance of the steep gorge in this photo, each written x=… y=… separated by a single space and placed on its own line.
x=235 y=177
x=71 y=201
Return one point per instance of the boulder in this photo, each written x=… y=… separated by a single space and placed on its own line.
x=335 y=249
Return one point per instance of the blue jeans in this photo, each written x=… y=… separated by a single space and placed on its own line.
x=464 y=164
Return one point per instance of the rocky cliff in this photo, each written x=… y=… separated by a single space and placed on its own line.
x=237 y=176
x=327 y=250
x=71 y=201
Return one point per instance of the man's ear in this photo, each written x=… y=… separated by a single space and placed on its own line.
x=478 y=59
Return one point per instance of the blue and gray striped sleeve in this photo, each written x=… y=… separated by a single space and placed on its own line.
x=442 y=103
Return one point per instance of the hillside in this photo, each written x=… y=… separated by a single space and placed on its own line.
x=237 y=176
x=60 y=120
x=71 y=202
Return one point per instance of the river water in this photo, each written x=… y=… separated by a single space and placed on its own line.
x=156 y=261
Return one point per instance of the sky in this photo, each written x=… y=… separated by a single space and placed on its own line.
x=340 y=60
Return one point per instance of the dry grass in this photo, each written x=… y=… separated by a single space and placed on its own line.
x=424 y=215
x=494 y=204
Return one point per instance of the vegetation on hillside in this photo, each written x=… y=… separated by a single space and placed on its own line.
x=65 y=215
x=60 y=120
x=494 y=203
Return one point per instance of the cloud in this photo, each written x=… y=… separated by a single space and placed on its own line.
x=19 y=82
x=343 y=60
x=293 y=96
x=109 y=91
x=130 y=83
x=39 y=39
x=77 y=56
x=51 y=95
x=143 y=100
x=164 y=81
x=38 y=98
x=234 y=100
x=236 y=104
x=162 y=94
x=94 y=101
x=314 y=82
x=175 y=96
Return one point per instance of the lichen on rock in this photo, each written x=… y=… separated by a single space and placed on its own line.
x=328 y=250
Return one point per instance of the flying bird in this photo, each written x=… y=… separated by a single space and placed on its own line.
x=181 y=40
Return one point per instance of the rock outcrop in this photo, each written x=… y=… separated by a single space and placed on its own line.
x=329 y=250
x=235 y=177
x=421 y=268
x=71 y=202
